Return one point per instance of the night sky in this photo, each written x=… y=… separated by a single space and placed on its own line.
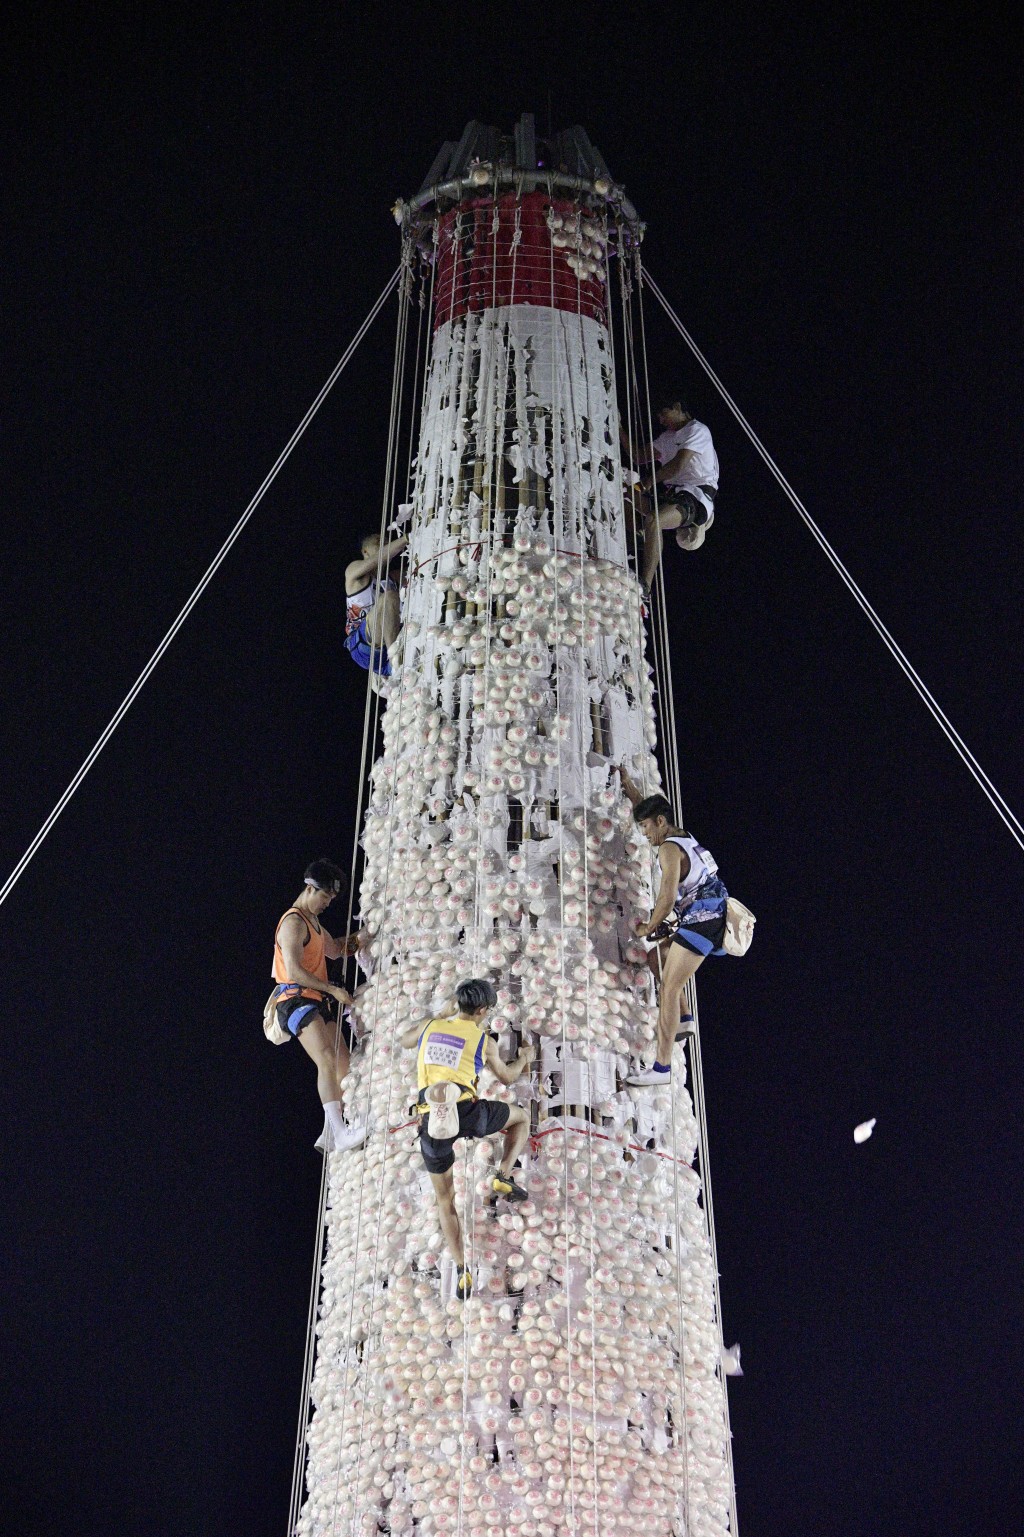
x=196 y=221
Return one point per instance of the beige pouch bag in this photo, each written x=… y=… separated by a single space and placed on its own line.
x=739 y=928
x=274 y=1032
x=443 y=1099
x=694 y=535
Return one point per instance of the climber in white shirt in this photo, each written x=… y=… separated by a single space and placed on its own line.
x=685 y=471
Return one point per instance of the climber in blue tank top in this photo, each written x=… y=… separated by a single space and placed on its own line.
x=688 y=918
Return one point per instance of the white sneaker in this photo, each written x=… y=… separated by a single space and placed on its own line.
x=327 y=1142
x=353 y=1136
x=648 y=1079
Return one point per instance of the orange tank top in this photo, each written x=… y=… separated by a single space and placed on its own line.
x=313 y=958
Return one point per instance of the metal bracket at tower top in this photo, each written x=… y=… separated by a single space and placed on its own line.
x=526 y=142
x=567 y=162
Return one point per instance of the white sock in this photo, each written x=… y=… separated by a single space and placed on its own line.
x=334 y=1118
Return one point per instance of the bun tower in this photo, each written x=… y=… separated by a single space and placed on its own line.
x=581 y=1389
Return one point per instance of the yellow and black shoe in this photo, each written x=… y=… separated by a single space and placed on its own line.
x=464 y=1284
x=505 y=1186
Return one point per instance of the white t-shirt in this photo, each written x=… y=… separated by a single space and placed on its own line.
x=701 y=470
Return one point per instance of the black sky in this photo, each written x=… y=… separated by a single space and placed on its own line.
x=196 y=220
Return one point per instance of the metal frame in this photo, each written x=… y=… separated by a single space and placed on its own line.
x=566 y=162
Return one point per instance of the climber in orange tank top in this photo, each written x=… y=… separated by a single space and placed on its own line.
x=308 y=1002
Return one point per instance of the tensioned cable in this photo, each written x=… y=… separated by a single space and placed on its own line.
x=663 y=687
x=589 y=1230
x=472 y=384
x=370 y=1284
x=660 y=618
x=417 y=407
x=299 y=1456
x=956 y=741
x=197 y=592
x=478 y=389
x=401 y=701
x=559 y=536
x=487 y=404
x=368 y=732
x=696 y=1065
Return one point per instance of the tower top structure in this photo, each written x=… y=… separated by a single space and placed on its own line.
x=517 y=219
x=564 y=163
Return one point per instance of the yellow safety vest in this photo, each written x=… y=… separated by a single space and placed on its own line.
x=451 y=1051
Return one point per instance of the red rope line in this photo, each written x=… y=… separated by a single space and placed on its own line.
x=604 y=1137
x=465 y=545
x=404 y=1125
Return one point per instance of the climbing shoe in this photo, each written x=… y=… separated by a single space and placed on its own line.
x=649 y=1080
x=505 y=1185
x=464 y=1284
x=686 y=1027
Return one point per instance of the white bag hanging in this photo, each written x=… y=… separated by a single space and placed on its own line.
x=274 y=1032
x=443 y=1121
x=739 y=928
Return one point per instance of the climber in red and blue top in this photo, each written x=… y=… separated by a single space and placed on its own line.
x=688 y=919
x=373 y=613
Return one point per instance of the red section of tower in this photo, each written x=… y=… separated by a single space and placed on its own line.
x=480 y=264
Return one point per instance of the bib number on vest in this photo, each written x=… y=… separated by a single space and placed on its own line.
x=444 y=1051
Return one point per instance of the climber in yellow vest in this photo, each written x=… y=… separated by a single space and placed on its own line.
x=451 y=1053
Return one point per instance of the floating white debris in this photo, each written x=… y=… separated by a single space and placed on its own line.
x=862 y=1132
x=731 y=1361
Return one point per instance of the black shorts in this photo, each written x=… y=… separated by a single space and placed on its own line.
x=702 y=933
x=294 y=1014
x=692 y=510
x=477 y=1118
